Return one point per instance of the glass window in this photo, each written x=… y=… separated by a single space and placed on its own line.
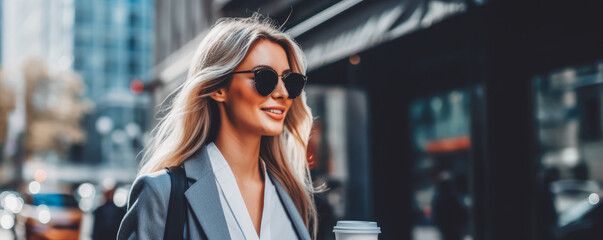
x=133 y=66
x=441 y=175
x=569 y=129
x=133 y=43
x=338 y=154
x=134 y=19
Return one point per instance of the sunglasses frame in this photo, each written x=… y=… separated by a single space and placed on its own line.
x=283 y=77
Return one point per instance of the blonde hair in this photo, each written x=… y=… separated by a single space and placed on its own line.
x=192 y=118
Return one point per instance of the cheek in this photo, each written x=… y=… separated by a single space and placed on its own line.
x=244 y=100
x=289 y=106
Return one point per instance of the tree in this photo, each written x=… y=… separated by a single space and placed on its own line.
x=54 y=107
x=7 y=104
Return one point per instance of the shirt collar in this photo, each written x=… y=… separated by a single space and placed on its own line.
x=227 y=184
x=221 y=168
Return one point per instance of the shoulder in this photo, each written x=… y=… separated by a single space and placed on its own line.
x=151 y=186
x=159 y=178
x=147 y=207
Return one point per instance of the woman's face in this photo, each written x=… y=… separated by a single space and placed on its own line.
x=246 y=109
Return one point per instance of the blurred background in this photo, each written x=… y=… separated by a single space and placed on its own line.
x=439 y=119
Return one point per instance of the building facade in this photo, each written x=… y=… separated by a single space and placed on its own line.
x=113 y=50
x=109 y=43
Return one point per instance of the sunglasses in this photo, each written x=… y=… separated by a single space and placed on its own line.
x=266 y=80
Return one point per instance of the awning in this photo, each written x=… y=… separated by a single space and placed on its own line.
x=354 y=32
x=336 y=32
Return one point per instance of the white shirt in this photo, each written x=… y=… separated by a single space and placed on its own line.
x=275 y=223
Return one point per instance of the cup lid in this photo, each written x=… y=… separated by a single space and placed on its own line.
x=357 y=227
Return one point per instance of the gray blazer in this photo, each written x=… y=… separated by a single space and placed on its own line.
x=149 y=197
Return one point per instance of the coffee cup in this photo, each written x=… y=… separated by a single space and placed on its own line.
x=356 y=230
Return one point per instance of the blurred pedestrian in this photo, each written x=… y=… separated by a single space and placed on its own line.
x=107 y=218
x=546 y=206
x=239 y=126
x=449 y=213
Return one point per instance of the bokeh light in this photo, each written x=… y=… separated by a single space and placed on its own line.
x=13 y=203
x=86 y=204
x=7 y=221
x=85 y=190
x=593 y=198
x=120 y=197
x=34 y=187
x=43 y=214
x=355 y=59
x=40 y=175
x=108 y=183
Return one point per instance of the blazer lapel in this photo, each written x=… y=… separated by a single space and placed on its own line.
x=203 y=196
x=298 y=223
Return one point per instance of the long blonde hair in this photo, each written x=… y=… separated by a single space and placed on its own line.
x=192 y=117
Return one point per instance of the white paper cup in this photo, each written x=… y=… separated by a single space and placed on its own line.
x=356 y=230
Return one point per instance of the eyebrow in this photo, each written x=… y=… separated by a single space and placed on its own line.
x=266 y=66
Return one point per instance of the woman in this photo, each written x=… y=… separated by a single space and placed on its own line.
x=239 y=125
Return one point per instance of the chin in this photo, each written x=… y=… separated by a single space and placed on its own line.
x=273 y=131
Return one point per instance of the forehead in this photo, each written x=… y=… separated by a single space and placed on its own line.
x=266 y=52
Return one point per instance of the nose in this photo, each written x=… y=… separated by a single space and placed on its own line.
x=280 y=91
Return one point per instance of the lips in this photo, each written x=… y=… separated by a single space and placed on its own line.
x=276 y=112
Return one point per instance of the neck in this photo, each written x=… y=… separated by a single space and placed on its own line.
x=241 y=150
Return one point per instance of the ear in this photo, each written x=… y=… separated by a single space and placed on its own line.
x=219 y=95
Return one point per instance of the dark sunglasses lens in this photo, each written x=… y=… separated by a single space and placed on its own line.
x=265 y=81
x=294 y=82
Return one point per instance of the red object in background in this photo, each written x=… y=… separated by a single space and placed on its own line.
x=448 y=144
x=311 y=150
x=311 y=162
x=427 y=212
x=136 y=86
x=313 y=144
